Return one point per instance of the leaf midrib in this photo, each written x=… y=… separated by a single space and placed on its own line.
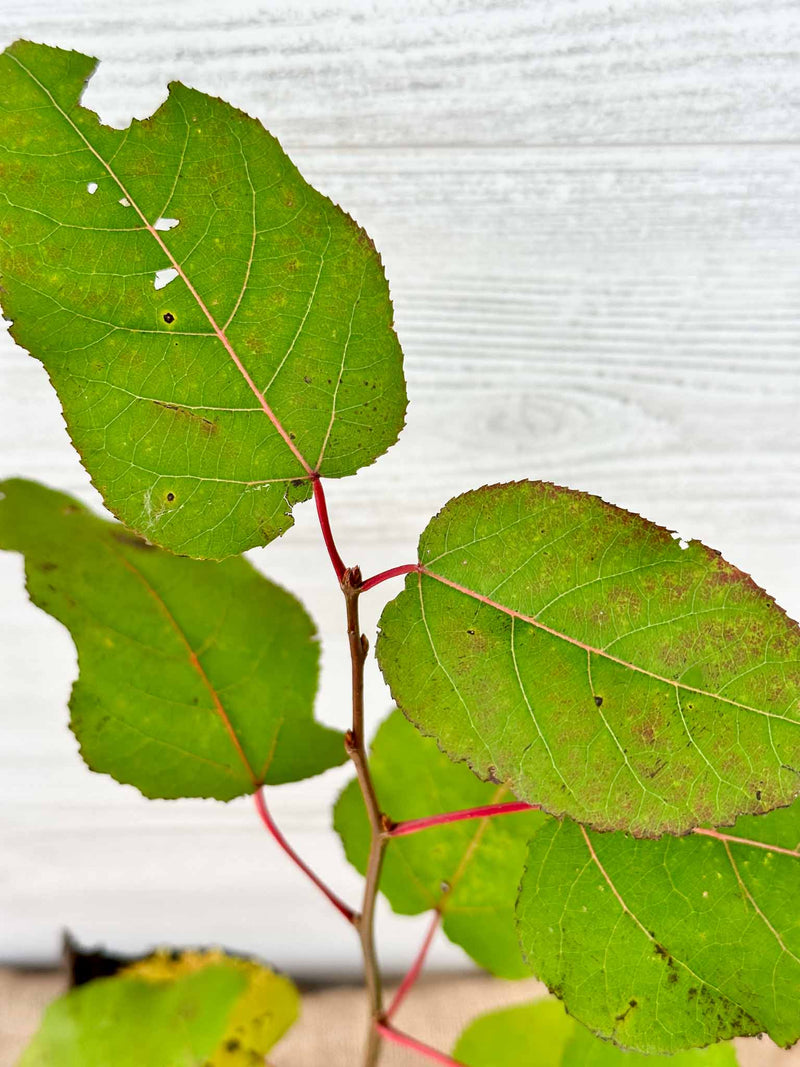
x=194 y=662
x=635 y=919
x=591 y=650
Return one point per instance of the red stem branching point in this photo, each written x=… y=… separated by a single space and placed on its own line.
x=414 y=970
x=397 y=1037
x=384 y=576
x=325 y=526
x=413 y=826
x=269 y=822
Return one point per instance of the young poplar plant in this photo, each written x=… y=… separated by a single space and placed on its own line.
x=590 y=773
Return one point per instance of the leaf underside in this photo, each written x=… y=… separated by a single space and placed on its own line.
x=197 y=679
x=201 y=408
x=469 y=871
x=542 y=1033
x=669 y=944
x=201 y=1008
x=593 y=663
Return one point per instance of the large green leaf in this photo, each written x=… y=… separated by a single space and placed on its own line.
x=543 y=1034
x=199 y=408
x=595 y=664
x=669 y=944
x=469 y=870
x=199 y=1010
x=196 y=678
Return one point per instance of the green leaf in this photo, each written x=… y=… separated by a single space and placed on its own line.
x=669 y=944
x=200 y=409
x=200 y=1010
x=196 y=678
x=543 y=1034
x=469 y=870
x=595 y=664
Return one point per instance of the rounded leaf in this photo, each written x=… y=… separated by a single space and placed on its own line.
x=669 y=944
x=595 y=664
x=200 y=1008
x=542 y=1033
x=197 y=679
x=216 y=329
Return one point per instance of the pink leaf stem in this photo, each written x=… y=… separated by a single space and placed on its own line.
x=412 y=826
x=415 y=969
x=388 y=1033
x=270 y=824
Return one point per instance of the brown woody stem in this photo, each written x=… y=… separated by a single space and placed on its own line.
x=354 y=741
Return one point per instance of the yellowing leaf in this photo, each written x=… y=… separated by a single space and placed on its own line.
x=261 y=1015
x=202 y=1010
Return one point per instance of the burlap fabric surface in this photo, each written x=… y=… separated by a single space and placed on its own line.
x=330 y=1031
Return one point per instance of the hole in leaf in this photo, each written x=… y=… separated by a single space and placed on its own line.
x=165 y=224
x=124 y=201
x=91 y=187
x=169 y=317
x=164 y=277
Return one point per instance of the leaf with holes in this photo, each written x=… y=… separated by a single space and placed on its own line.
x=218 y=332
x=669 y=944
x=469 y=871
x=594 y=664
x=543 y=1033
x=197 y=679
x=231 y=1012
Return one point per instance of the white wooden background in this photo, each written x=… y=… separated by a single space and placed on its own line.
x=590 y=216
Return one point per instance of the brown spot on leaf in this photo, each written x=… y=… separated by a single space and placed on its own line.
x=206 y=425
x=169 y=317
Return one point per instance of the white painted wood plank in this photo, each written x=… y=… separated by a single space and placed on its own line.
x=363 y=72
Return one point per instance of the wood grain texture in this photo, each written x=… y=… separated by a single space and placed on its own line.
x=456 y=72
x=590 y=222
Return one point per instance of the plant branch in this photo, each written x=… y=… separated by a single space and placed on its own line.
x=414 y=970
x=406 y=1041
x=269 y=822
x=325 y=526
x=384 y=576
x=355 y=744
x=413 y=826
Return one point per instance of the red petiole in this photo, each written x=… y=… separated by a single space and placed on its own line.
x=325 y=526
x=384 y=576
x=397 y=1037
x=413 y=826
x=414 y=970
x=269 y=822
